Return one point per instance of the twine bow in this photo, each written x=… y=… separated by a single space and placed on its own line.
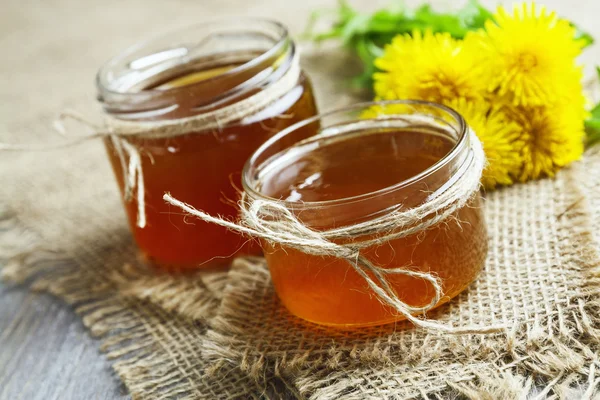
x=272 y=221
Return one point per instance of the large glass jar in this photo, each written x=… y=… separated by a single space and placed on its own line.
x=358 y=165
x=198 y=70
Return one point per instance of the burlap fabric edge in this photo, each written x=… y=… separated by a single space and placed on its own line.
x=142 y=328
x=137 y=327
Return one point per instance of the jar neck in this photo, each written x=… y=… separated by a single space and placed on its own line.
x=239 y=63
x=429 y=118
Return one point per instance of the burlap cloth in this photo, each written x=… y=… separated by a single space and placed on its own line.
x=223 y=334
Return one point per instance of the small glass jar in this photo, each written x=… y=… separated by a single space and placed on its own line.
x=357 y=165
x=196 y=70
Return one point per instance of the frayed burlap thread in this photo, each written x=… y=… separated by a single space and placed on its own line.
x=542 y=273
x=143 y=340
x=587 y=172
x=149 y=324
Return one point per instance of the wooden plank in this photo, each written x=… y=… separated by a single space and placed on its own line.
x=46 y=353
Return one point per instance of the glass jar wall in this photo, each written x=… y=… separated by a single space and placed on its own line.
x=193 y=71
x=357 y=165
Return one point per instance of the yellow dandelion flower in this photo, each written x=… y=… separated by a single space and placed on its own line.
x=427 y=66
x=553 y=137
x=500 y=138
x=534 y=55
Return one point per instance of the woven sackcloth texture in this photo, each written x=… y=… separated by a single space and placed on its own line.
x=541 y=279
x=223 y=334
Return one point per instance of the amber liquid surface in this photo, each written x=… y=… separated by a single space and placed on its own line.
x=202 y=169
x=326 y=290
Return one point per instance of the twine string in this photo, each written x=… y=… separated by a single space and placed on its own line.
x=272 y=221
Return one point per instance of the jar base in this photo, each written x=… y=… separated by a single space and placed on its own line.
x=388 y=321
x=216 y=263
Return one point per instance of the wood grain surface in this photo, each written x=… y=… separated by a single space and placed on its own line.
x=46 y=353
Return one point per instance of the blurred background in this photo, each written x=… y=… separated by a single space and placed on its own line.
x=53 y=49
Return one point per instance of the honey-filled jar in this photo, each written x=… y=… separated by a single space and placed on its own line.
x=185 y=111
x=374 y=205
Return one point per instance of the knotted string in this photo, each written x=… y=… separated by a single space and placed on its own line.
x=272 y=221
x=119 y=131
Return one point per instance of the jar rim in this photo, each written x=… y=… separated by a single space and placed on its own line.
x=462 y=143
x=109 y=89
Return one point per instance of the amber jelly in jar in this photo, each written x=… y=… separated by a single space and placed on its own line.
x=198 y=70
x=355 y=165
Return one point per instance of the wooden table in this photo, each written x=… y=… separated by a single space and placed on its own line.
x=46 y=353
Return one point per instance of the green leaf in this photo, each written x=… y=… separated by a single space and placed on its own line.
x=473 y=15
x=345 y=10
x=593 y=136
x=376 y=50
x=595 y=112
x=593 y=123
x=344 y=14
x=312 y=20
x=367 y=34
x=588 y=39
x=593 y=140
x=592 y=126
x=355 y=26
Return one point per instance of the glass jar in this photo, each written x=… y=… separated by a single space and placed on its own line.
x=358 y=165
x=198 y=70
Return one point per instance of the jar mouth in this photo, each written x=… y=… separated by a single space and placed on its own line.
x=257 y=48
x=260 y=159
